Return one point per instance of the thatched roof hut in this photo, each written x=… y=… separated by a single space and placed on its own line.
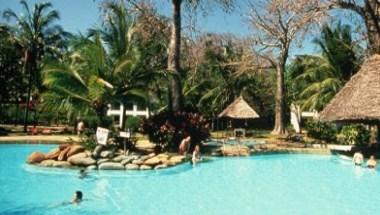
x=239 y=109
x=359 y=99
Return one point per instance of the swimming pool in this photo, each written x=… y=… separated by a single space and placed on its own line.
x=266 y=184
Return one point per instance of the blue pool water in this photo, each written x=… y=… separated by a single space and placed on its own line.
x=270 y=184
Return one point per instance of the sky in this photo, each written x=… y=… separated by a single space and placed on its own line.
x=79 y=15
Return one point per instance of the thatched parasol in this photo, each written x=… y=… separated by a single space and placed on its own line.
x=359 y=99
x=239 y=109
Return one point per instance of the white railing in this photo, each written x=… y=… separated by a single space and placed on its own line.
x=133 y=112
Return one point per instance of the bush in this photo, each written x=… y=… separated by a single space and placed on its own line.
x=133 y=123
x=321 y=131
x=354 y=134
x=167 y=130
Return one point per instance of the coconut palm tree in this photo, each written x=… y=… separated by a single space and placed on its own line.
x=37 y=35
x=321 y=77
x=105 y=68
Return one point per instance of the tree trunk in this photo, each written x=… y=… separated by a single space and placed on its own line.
x=28 y=70
x=174 y=58
x=370 y=16
x=369 y=12
x=279 y=122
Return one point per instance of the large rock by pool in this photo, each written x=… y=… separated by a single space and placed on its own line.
x=111 y=166
x=80 y=161
x=71 y=156
x=36 y=157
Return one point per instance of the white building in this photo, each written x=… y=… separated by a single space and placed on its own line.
x=296 y=116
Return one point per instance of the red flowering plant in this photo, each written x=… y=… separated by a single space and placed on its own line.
x=167 y=130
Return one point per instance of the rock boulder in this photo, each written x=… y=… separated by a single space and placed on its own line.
x=152 y=161
x=106 y=154
x=75 y=149
x=53 y=154
x=79 y=155
x=82 y=161
x=63 y=155
x=111 y=166
x=145 y=167
x=64 y=164
x=47 y=163
x=36 y=157
x=131 y=166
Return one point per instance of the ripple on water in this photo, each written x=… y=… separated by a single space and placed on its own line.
x=263 y=184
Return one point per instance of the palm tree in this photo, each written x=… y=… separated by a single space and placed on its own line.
x=107 y=67
x=319 y=78
x=174 y=53
x=37 y=35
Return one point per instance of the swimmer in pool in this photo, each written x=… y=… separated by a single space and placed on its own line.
x=371 y=163
x=358 y=158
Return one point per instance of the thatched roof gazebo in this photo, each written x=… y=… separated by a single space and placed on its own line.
x=359 y=99
x=239 y=109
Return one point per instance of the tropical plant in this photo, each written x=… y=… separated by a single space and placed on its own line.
x=105 y=68
x=321 y=131
x=11 y=76
x=355 y=134
x=218 y=77
x=316 y=79
x=167 y=130
x=38 y=37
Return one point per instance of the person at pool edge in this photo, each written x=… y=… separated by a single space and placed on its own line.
x=358 y=158
x=185 y=145
x=196 y=155
x=78 y=195
x=371 y=163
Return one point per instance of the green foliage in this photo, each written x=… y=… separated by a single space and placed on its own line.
x=88 y=139
x=321 y=131
x=313 y=80
x=224 y=73
x=354 y=135
x=109 y=66
x=167 y=130
x=133 y=123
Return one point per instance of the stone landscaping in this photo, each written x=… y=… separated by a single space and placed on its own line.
x=76 y=156
x=71 y=156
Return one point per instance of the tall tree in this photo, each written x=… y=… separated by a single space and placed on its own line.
x=315 y=79
x=276 y=25
x=174 y=49
x=369 y=11
x=174 y=52
x=37 y=35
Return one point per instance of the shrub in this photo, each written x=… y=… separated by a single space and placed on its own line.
x=133 y=123
x=321 y=131
x=354 y=134
x=167 y=130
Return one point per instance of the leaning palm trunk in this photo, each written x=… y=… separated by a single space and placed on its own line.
x=174 y=58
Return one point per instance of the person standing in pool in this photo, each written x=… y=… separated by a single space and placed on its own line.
x=196 y=155
x=371 y=163
x=358 y=158
x=78 y=196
